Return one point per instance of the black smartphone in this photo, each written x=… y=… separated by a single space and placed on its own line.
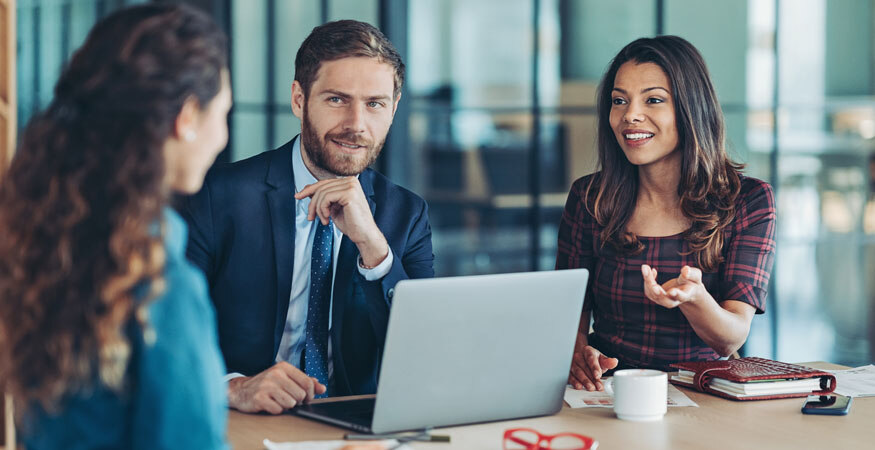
x=837 y=405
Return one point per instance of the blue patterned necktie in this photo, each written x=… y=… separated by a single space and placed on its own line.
x=316 y=349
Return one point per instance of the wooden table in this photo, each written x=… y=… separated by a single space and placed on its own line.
x=716 y=423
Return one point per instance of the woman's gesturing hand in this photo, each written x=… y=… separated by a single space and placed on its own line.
x=687 y=287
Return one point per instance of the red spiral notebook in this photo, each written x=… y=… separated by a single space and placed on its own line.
x=753 y=379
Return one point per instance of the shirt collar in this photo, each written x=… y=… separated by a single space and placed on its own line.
x=302 y=175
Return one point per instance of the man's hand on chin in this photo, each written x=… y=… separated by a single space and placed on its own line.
x=342 y=200
x=274 y=390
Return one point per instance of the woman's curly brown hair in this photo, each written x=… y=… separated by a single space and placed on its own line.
x=710 y=181
x=81 y=248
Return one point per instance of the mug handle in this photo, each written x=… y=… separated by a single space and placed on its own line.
x=609 y=385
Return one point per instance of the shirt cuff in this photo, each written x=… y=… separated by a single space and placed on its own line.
x=231 y=376
x=380 y=271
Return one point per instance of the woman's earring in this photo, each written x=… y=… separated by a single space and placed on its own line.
x=189 y=136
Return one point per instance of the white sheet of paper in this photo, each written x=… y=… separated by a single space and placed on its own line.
x=856 y=382
x=603 y=399
x=325 y=445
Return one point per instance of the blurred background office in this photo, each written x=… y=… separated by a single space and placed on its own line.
x=498 y=119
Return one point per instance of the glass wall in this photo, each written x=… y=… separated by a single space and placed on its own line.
x=48 y=32
x=471 y=84
x=824 y=144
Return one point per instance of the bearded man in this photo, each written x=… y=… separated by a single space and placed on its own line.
x=303 y=245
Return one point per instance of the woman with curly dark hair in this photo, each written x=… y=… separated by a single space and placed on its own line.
x=107 y=336
x=666 y=196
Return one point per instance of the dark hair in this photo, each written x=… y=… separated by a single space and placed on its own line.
x=344 y=39
x=709 y=182
x=80 y=247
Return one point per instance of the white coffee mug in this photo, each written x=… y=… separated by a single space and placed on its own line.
x=640 y=395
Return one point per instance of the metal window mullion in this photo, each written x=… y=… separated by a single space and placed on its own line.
x=534 y=160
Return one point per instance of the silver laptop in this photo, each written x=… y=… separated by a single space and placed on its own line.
x=469 y=349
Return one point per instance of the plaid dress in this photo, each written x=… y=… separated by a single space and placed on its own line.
x=636 y=330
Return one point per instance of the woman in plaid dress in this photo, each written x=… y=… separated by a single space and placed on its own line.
x=678 y=243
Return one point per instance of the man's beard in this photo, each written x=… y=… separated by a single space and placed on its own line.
x=338 y=164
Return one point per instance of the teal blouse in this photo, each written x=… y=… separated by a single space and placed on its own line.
x=174 y=397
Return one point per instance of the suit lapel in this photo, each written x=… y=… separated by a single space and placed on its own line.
x=347 y=260
x=281 y=204
x=367 y=181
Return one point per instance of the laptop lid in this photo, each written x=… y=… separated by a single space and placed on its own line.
x=478 y=348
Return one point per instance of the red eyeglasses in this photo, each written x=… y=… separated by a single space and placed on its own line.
x=529 y=439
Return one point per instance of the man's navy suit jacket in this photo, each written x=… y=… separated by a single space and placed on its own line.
x=242 y=234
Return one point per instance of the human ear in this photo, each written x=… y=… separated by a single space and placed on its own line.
x=185 y=125
x=298 y=100
x=395 y=104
